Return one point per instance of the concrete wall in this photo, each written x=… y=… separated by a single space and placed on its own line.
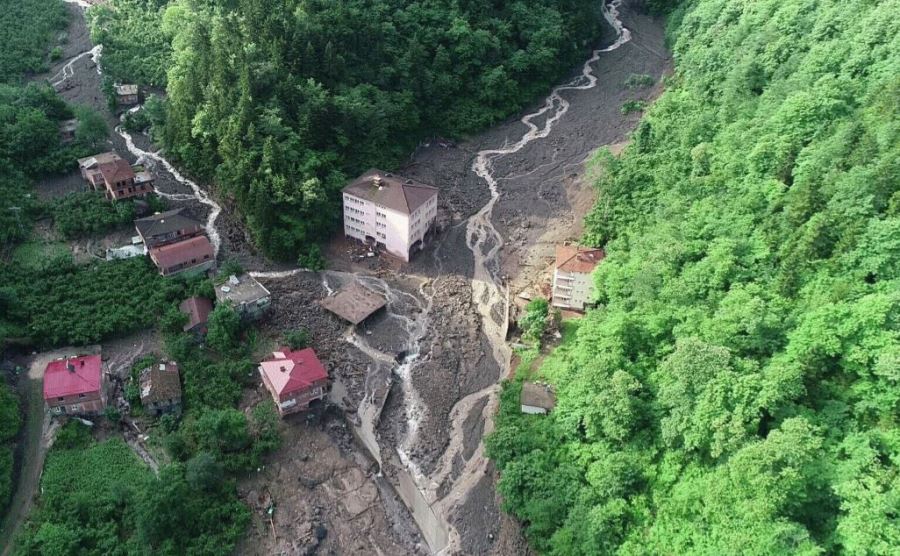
x=572 y=290
x=397 y=231
x=92 y=403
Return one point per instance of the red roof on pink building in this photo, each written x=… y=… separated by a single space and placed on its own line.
x=72 y=376
x=291 y=371
x=570 y=258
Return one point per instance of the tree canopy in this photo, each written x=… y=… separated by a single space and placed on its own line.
x=278 y=101
x=738 y=388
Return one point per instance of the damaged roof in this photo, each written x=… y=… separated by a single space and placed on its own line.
x=394 y=192
x=97 y=159
x=197 y=309
x=127 y=89
x=160 y=383
x=165 y=223
x=116 y=171
x=354 y=302
x=571 y=258
x=538 y=395
x=241 y=289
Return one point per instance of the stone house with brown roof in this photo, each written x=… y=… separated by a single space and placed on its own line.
x=160 y=388
x=191 y=255
x=115 y=176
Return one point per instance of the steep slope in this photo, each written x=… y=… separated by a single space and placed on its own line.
x=736 y=390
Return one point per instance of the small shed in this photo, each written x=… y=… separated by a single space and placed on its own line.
x=67 y=129
x=127 y=94
x=161 y=388
x=537 y=398
x=354 y=302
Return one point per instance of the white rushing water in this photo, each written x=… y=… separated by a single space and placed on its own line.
x=200 y=194
x=489 y=293
x=68 y=71
x=490 y=296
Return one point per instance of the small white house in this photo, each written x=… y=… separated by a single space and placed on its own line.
x=387 y=210
x=573 y=287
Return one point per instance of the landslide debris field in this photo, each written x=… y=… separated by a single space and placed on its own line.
x=396 y=465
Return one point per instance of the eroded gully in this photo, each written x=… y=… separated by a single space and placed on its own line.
x=489 y=295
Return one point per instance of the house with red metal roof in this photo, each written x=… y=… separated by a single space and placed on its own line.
x=197 y=310
x=195 y=255
x=75 y=385
x=573 y=287
x=294 y=379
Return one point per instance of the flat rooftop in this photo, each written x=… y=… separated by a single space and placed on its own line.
x=354 y=302
x=241 y=289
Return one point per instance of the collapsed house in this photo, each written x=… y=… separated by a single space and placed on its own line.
x=126 y=94
x=536 y=398
x=354 y=303
x=197 y=310
x=160 y=388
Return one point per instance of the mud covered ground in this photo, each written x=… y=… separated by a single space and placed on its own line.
x=426 y=358
x=544 y=196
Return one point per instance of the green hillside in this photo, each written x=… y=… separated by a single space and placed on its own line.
x=736 y=391
x=278 y=101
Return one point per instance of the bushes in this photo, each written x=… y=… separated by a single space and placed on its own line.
x=639 y=81
x=224 y=326
x=78 y=305
x=26 y=27
x=89 y=212
x=630 y=106
x=297 y=339
x=6 y=472
x=534 y=323
x=10 y=421
x=99 y=498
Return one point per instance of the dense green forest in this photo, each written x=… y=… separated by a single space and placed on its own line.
x=279 y=101
x=737 y=390
x=27 y=52
x=10 y=421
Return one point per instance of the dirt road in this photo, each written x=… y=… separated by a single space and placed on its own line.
x=507 y=196
x=36 y=439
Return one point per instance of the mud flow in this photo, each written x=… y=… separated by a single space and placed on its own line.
x=397 y=465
